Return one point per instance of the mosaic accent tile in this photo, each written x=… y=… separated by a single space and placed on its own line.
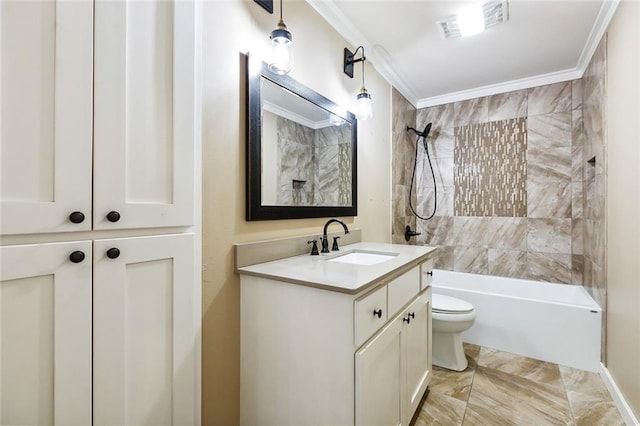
x=550 y=98
x=473 y=111
x=490 y=173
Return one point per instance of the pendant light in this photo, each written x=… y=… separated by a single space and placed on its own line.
x=281 y=48
x=363 y=100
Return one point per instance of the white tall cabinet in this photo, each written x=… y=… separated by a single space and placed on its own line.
x=99 y=301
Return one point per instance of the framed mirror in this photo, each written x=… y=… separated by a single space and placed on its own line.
x=301 y=150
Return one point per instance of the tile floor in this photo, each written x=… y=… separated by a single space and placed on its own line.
x=499 y=388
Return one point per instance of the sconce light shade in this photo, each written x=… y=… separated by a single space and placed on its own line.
x=281 y=50
x=363 y=100
x=364 y=110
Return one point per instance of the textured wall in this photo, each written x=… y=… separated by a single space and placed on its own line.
x=595 y=178
x=403 y=148
x=524 y=184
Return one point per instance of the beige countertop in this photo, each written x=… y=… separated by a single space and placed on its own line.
x=317 y=271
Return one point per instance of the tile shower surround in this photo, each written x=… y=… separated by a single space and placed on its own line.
x=537 y=232
x=562 y=237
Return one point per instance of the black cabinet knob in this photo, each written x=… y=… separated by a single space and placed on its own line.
x=412 y=315
x=113 y=253
x=377 y=313
x=76 y=217
x=407 y=319
x=430 y=273
x=77 y=256
x=113 y=216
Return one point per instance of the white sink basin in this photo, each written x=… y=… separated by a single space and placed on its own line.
x=363 y=257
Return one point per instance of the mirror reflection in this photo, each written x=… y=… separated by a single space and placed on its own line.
x=306 y=151
x=301 y=150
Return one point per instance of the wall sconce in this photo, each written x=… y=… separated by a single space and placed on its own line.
x=363 y=103
x=281 y=48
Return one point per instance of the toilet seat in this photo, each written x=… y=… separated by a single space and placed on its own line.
x=449 y=305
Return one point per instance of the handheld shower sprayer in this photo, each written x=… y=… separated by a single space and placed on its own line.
x=424 y=134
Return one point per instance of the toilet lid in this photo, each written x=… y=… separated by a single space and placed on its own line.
x=442 y=303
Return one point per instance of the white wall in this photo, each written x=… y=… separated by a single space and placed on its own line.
x=229 y=28
x=623 y=204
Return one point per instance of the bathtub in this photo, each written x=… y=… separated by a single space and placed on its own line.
x=558 y=323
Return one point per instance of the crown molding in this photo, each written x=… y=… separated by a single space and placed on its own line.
x=292 y=116
x=383 y=63
x=377 y=55
x=607 y=10
x=508 y=86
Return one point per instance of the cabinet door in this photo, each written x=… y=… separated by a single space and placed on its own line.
x=144 y=113
x=378 y=378
x=45 y=335
x=144 y=331
x=45 y=115
x=417 y=337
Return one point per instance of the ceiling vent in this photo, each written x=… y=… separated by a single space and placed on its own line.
x=491 y=14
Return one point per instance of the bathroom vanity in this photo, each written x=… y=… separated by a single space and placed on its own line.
x=342 y=338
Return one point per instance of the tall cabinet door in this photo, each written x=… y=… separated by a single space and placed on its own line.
x=417 y=338
x=144 y=331
x=45 y=334
x=45 y=115
x=378 y=378
x=144 y=114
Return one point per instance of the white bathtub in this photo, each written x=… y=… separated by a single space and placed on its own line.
x=558 y=323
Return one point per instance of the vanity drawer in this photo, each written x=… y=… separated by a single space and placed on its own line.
x=402 y=289
x=427 y=274
x=370 y=314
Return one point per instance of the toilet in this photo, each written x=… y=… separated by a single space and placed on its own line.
x=450 y=317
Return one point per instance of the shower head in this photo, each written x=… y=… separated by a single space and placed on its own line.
x=422 y=134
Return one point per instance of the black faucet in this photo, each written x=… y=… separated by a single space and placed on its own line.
x=325 y=239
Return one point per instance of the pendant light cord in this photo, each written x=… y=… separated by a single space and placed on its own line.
x=433 y=175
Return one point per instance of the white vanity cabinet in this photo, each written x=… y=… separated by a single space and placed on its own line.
x=317 y=356
x=394 y=368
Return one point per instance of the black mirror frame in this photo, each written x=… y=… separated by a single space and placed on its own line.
x=254 y=208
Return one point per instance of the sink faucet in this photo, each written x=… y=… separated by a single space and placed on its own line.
x=325 y=239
